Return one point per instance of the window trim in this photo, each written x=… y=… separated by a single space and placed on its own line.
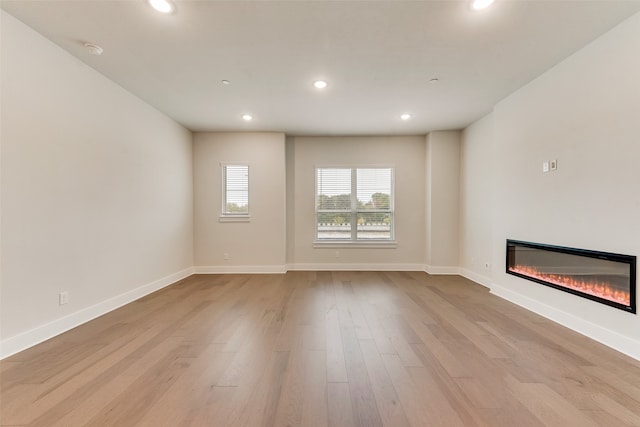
x=360 y=244
x=229 y=216
x=354 y=242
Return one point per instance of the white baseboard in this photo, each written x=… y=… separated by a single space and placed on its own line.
x=475 y=277
x=355 y=267
x=441 y=270
x=42 y=333
x=605 y=336
x=240 y=269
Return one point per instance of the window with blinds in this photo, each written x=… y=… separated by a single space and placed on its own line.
x=235 y=190
x=354 y=204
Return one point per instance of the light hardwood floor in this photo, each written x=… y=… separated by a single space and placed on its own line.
x=321 y=348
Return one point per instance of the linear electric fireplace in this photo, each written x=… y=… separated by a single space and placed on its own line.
x=599 y=276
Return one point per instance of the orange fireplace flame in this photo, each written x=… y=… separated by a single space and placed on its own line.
x=598 y=289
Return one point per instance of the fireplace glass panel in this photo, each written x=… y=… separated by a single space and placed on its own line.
x=604 y=277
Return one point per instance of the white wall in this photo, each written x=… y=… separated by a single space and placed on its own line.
x=584 y=112
x=255 y=246
x=442 y=202
x=405 y=153
x=96 y=192
x=477 y=201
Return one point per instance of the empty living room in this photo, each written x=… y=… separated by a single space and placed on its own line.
x=319 y=213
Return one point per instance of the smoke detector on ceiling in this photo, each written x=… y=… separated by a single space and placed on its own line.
x=93 y=49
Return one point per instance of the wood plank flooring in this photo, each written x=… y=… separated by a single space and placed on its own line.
x=320 y=349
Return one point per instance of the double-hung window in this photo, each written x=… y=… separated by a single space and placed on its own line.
x=235 y=190
x=354 y=204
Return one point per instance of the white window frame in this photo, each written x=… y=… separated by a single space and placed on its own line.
x=353 y=212
x=234 y=216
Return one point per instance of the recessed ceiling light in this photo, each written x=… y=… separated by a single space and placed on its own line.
x=93 y=49
x=405 y=116
x=163 y=6
x=226 y=82
x=320 y=84
x=481 y=4
x=247 y=117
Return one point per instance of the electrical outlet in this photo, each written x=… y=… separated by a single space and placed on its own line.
x=225 y=256
x=63 y=298
x=545 y=166
x=487 y=266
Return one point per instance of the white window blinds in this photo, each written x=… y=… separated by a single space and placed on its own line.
x=354 y=204
x=235 y=189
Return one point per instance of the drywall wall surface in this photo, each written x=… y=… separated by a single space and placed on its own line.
x=96 y=190
x=442 y=201
x=290 y=157
x=405 y=154
x=255 y=245
x=477 y=200
x=585 y=114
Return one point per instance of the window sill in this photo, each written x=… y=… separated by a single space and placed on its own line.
x=387 y=244
x=234 y=218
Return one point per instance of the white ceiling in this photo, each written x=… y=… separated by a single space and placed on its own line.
x=378 y=57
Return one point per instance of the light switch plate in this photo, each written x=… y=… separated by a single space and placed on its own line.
x=545 y=167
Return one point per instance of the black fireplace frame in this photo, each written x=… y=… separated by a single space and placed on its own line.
x=630 y=260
